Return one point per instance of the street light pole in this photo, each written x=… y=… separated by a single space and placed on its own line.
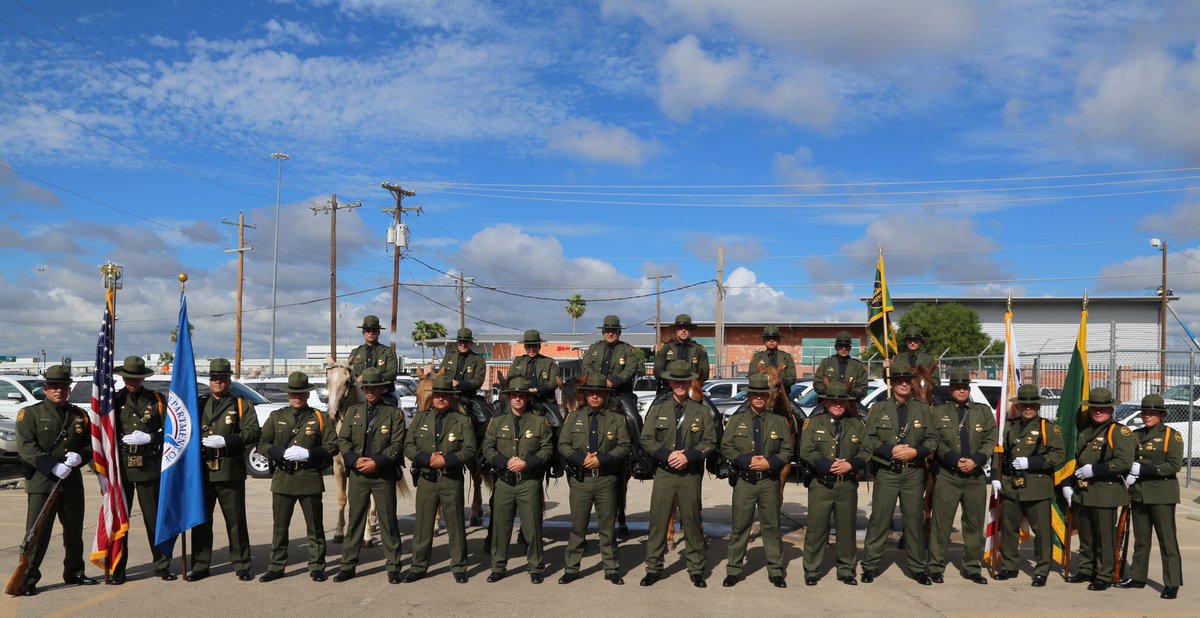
x=281 y=157
x=1161 y=245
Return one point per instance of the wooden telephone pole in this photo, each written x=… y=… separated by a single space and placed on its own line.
x=398 y=243
x=658 y=308
x=720 y=326
x=332 y=209
x=463 y=299
x=241 y=251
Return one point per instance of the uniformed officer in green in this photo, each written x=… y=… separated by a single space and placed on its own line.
x=1103 y=456
x=1153 y=494
x=540 y=372
x=467 y=371
x=900 y=437
x=595 y=443
x=681 y=347
x=374 y=354
x=842 y=368
x=914 y=338
x=966 y=438
x=772 y=356
x=679 y=434
x=519 y=446
x=757 y=444
x=1033 y=450
x=834 y=445
x=371 y=444
x=139 y=423
x=228 y=429
x=439 y=443
x=54 y=439
x=300 y=442
x=618 y=362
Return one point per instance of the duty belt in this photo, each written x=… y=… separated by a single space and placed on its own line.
x=292 y=467
x=898 y=466
x=581 y=473
x=752 y=477
x=512 y=478
x=684 y=471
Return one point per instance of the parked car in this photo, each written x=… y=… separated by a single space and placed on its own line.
x=1178 y=399
x=19 y=391
x=8 y=441
x=986 y=392
x=725 y=388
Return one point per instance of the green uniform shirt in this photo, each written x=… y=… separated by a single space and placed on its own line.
x=737 y=444
x=541 y=371
x=612 y=438
x=624 y=362
x=822 y=442
x=140 y=411
x=378 y=355
x=887 y=427
x=469 y=369
x=689 y=350
x=385 y=427
x=308 y=428
x=661 y=433
x=40 y=447
x=854 y=376
x=455 y=440
x=782 y=359
x=233 y=419
x=979 y=425
x=1161 y=457
x=1110 y=454
x=528 y=438
x=1040 y=440
x=921 y=358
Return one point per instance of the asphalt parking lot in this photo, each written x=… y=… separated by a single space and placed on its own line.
x=892 y=594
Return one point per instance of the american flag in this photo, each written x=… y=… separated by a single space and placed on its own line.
x=114 y=516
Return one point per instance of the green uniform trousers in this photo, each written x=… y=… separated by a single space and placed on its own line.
x=69 y=510
x=359 y=492
x=232 y=497
x=599 y=493
x=669 y=488
x=147 y=497
x=525 y=500
x=1038 y=514
x=763 y=495
x=282 y=507
x=951 y=491
x=841 y=503
x=908 y=487
x=446 y=493
x=1160 y=517
x=1097 y=542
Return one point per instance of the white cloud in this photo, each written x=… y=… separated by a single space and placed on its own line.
x=446 y=14
x=794 y=169
x=749 y=299
x=1182 y=220
x=594 y=141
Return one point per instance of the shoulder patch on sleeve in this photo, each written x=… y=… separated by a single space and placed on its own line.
x=1057 y=430
x=1126 y=432
x=1178 y=436
x=20 y=415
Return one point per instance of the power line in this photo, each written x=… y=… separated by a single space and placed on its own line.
x=454 y=310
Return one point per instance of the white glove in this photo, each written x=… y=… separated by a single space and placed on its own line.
x=1136 y=470
x=296 y=453
x=137 y=438
x=216 y=441
x=1021 y=463
x=73 y=459
x=1067 y=493
x=1131 y=479
x=62 y=471
x=1085 y=472
x=996 y=487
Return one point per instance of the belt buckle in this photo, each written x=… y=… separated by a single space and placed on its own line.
x=595 y=473
x=133 y=461
x=134 y=449
x=1083 y=483
x=758 y=476
x=519 y=476
x=214 y=464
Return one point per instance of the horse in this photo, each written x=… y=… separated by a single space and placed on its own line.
x=343 y=393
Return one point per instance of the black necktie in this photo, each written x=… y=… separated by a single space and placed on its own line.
x=771 y=359
x=371 y=411
x=842 y=360
x=593 y=432
x=370 y=356
x=678 y=426
x=837 y=438
x=531 y=370
x=437 y=430
x=902 y=412
x=517 y=426
x=964 y=438
x=912 y=360
x=605 y=367
x=462 y=367
x=758 y=434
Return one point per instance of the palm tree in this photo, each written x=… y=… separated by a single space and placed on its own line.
x=576 y=307
x=165 y=359
x=175 y=332
x=423 y=331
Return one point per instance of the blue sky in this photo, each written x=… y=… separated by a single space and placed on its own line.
x=1031 y=146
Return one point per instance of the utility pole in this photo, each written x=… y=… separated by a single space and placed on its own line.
x=398 y=238
x=658 y=308
x=720 y=327
x=280 y=157
x=332 y=209
x=463 y=299
x=241 y=251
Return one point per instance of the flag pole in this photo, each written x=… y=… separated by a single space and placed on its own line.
x=183 y=553
x=887 y=367
x=111 y=274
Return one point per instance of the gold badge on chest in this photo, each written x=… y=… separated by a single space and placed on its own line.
x=451 y=437
x=383 y=429
x=528 y=433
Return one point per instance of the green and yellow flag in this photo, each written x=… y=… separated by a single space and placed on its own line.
x=1071 y=406
x=879 y=325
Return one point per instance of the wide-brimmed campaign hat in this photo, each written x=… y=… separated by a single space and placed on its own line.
x=679 y=370
x=683 y=320
x=611 y=322
x=837 y=391
x=370 y=322
x=445 y=385
x=758 y=383
x=595 y=382
x=1154 y=404
x=959 y=375
x=914 y=332
x=219 y=367
x=517 y=385
x=134 y=367
x=770 y=332
x=374 y=376
x=842 y=338
x=298 y=383
x=1028 y=394
x=464 y=334
x=532 y=337
x=57 y=374
x=1100 y=398
x=900 y=370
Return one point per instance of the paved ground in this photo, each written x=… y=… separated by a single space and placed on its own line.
x=893 y=594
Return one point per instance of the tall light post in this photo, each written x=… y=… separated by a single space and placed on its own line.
x=281 y=157
x=1161 y=245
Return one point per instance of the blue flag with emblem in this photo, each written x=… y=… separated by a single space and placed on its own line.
x=181 y=486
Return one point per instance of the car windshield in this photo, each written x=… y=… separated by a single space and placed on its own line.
x=1183 y=392
x=808 y=400
x=403 y=390
x=36 y=387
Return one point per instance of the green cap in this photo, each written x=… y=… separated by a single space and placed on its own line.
x=370 y=322
x=595 y=382
x=134 y=367
x=842 y=338
x=219 y=367
x=464 y=334
x=837 y=391
x=900 y=370
x=517 y=385
x=445 y=385
x=759 y=383
x=679 y=370
x=57 y=374
x=914 y=332
x=298 y=383
x=374 y=376
x=958 y=375
x=1154 y=403
x=611 y=322
x=683 y=320
x=770 y=332
x=532 y=337
x=1100 y=398
x=1028 y=393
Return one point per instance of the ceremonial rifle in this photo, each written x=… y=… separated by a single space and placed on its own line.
x=16 y=583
